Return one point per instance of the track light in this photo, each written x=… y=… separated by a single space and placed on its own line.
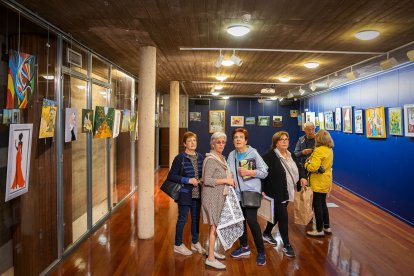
x=388 y=63
x=227 y=62
x=312 y=86
x=290 y=95
x=353 y=75
x=301 y=91
x=410 y=55
x=329 y=82
x=236 y=60
x=281 y=99
x=219 y=60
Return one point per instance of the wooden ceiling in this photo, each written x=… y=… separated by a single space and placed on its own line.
x=118 y=28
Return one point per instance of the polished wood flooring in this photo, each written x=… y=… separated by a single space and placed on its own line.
x=365 y=241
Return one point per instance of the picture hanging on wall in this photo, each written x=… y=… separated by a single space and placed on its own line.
x=294 y=113
x=395 y=121
x=216 y=121
x=7 y=116
x=277 y=121
x=237 y=121
x=321 y=120
x=21 y=79
x=117 y=123
x=316 y=121
x=104 y=121
x=263 y=120
x=310 y=117
x=195 y=116
x=409 y=120
x=299 y=120
x=15 y=116
x=250 y=120
x=329 y=123
x=126 y=117
x=375 y=122
x=48 y=119
x=359 y=121
x=71 y=125
x=338 y=119
x=347 y=118
x=87 y=120
x=18 y=164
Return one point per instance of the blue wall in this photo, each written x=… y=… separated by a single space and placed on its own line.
x=375 y=169
x=260 y=137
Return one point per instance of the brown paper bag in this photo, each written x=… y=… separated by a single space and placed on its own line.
x=303 y=206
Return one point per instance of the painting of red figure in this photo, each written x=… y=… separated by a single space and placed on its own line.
x=18 y=176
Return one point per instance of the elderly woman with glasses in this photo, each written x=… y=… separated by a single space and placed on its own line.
x=284 y=174
x=216 y=179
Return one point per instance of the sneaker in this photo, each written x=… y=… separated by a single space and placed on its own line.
x=215 y=264
x=197 y=247
x=315 y=233
x=182 y=249
x=268 y=238
x=219 y=256
x=241 y=251
x=288 y=250
x=261 y=259
x=327 y=231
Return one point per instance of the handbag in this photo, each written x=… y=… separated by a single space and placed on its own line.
x=303 y=206
x=172 y=189
x=251 y=199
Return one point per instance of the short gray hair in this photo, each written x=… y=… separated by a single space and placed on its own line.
x=216 y=135
x=309 y=124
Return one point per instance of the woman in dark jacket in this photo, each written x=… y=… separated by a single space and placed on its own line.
x=186 y=169
x=284 y=174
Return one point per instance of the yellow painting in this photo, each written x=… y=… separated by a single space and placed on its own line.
x=375 y=122
x=48 y=119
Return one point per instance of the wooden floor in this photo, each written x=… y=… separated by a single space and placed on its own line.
x=365 y=241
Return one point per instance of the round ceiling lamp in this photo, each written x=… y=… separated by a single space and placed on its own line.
x=238 y=30
x=226 y=97
x=367 y=35
x=215 y=93
x=227 y=62
x=218 y=87
x=221 y=77
x=284 y=79
x=311 y=64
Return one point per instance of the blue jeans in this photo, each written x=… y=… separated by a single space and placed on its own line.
x=182 y=220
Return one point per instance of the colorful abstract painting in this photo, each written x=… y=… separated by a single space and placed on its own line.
x=359 y=121
x=329 y=123
x=48 y=119
x=395 y=121
x=375 y=122
x=347 y=119
x=104 y=121
x=87 y=120
x=237 y=121
x=409 y=120
x=21 y=79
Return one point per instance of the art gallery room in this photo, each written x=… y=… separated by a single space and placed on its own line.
x=96 y=97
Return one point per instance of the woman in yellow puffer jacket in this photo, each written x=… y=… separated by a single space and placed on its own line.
x=319 y=166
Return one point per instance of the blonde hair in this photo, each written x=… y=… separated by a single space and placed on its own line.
x=323 y=138
x=277 y=136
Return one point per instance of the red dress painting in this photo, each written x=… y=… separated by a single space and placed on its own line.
x=18 y=177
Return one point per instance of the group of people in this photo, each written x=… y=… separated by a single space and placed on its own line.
x=277 y=174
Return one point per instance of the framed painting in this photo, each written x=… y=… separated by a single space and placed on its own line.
x=18 y=164
x=237 y=121
x=277 y=121
x=329 y=123
x=87 y=120
x=48 y=119
x=375 y=122
x=195 y=116
x=321 y=120
x=71 y=124
x=126 y=118
x=263 y=120
x=395 y=121
x=294 y=113
x=104 y=122
x=310 y=117
x=347 y=119
x=216 y=121
x=409 y=120
x=299 y=120
x=338 y=119
x=359 y=121
x=250 y=120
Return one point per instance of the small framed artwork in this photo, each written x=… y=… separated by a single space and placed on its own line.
x=395 y=121
x=329 y=123
x=347 y=118
x=338 y=119
x=250 y=120
x=375 y=122
x=299 y=120
x=310 y=117
x=217 y=121
x=71 y=124
x=87 y=120
x=321 y=120
x=195 y=116
x=277 y=121
x=263 y=120
x=359 y=121
x=237 y=121
x=409 y=120
x=294 y=113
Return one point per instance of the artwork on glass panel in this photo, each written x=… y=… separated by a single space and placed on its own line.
x=294 y=113
x=277 y=121
x=15 y=116
x=126 y=117
x=321 y=120
x=18 y=164
x=329 y=123
x=338 y=119
x=104 y=121
x=409 y=120
x=250 y=120
x=310 y=117
x=71 y=125
x=21 y=79
x=48 y=119
x=117 y=123
x=87 y=120
x=395 y=121
x=347 y=119
x=299 y=120
x=237 y=121
x=359 y=121
x=263 y=120
x=7 y=116
x=216 y=121
x=375 y=122
x=132 y=122
x=195 y=116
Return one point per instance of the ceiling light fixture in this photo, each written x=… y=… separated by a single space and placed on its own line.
x=281 y=99
x=410 y=55
x=218 y=87
x=226 y=97
x=221 y=77
x=215 y=93
x=311 y=64
x=290 y=95
x=284 y=79
x=219 y=60
x=367 y=34
x=238 y=30
x=301 y=91
x=388 y=63
x=235 y=59
x=312 y=86
x=274 y=98
x=267 y=90
x=329 y=82
x=227 y=62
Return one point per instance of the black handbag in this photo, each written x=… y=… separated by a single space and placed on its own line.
x=250 y=199
x=172 y=189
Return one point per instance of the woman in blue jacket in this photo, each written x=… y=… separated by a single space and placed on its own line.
x=186 y=169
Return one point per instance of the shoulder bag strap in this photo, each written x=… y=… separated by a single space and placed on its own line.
x=287 y=168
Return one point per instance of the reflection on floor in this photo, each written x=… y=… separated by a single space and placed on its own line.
x=79 y=226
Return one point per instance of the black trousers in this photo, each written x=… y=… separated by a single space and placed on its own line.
x=250 y=215
x=281 y=217
x=321 y=211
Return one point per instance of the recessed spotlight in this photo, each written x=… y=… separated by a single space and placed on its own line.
x=227 y=62
x=215 y=93
x=238 y=30
x=218 y=87
x=284 y=79
x=226 y=97
x=311 y=64
x=221 y=77
x=367 y=35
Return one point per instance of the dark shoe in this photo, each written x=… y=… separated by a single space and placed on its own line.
x=241 y=251
x=261 y=259
x=288 y=250
x=268 y=238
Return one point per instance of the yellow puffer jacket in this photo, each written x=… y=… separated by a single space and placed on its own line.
x=322 y=155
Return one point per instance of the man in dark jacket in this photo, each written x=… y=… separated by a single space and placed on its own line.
x=306 y=143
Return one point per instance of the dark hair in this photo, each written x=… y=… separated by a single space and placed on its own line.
x=20 y=136
x=242 y=130
x=277 y=136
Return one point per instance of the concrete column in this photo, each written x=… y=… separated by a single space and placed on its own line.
x=174 y=119
x=146 y=134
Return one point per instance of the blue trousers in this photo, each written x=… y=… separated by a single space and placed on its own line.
x=194 y=208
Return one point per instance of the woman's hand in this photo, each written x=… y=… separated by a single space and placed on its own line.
x=194 y=182
x=230 y=182
x=303 y=182
x=263 y=194
x=245 y=172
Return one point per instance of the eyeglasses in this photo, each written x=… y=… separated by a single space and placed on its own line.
x=284 y=139
x=221 y=142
